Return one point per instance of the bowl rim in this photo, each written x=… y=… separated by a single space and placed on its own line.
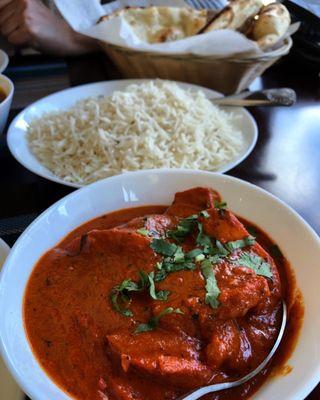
x=5 y=63
x=26 y=385
x=11 y=91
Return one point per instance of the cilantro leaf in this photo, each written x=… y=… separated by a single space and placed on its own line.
x=178 y=256
x=193 y=254
x=174 y=267
x=154 y=321
x=152 y=288
x=219 y=249
x=144 y=280
x=199 y=257
x=238 y=244
x=161 y=295
x=216 y=259
x=120 y=293
x=212 y=289
x=143 y=231
x=204 y=214
x=175 y=260
x=164 y=248
x=220 y=205
x=114 y=296
x=160 y=275
x=184 y=228
x=203 y=239
x=255 y=262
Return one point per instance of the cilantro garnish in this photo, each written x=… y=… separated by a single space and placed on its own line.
x=203 y=239
x=219 y=249
x=154 y=321
x=204 y=214
x=258 y=264
x=220 y=205
x=212 y=289
x=164 y=248
x=238 y=244
x=161 y=295
x=175 y=260
x=169 y=265
x=120 y=293
x=184 y=228
x=179 y=256
x=193 y=254
x=143 y=231
x=160 y=275
x=199 y=257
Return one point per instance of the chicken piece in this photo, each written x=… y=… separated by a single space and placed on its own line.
x=225 y=226
x=177 y=371
x=241 y=290
x=192 y=202
x=168 y=357
x=224 y=343
x=122 y=390
x=156 y=225
x=159 y=341
x=229 y=348
x=122 y=247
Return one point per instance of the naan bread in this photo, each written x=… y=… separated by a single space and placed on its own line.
x=162 y=24
x=272 y=23
x=235 y=15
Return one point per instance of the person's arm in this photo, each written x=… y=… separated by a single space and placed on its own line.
x=31 y=23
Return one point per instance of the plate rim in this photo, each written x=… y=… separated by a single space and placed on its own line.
x=51 y=177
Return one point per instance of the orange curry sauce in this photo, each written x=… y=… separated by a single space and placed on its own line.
x=92 y=351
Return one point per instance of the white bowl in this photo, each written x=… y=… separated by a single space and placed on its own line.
x=4 y=60
x=9 y=389
x=7 y=85
x=297 y=240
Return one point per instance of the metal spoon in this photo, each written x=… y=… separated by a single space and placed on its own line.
x=198 y=393
x=268 y=97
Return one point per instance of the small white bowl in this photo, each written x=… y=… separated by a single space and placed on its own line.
x=7 y=85
x=299 y=243
x=4 y=61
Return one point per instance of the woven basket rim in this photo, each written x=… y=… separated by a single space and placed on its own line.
x=284 y=49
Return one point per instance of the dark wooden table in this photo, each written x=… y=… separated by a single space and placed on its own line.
x=286 y=160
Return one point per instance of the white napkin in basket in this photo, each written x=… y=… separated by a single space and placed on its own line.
x=83 y=15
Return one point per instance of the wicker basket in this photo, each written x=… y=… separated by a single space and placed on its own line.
x=226 y=75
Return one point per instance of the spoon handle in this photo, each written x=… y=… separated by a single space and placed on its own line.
x=198 y=393
x=268 y=97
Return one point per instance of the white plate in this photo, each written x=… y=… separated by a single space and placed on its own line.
x=63 y=100
x=297 y=240
x=9 y=389
x=4 y=60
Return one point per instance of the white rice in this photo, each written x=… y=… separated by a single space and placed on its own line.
x=150 y=125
